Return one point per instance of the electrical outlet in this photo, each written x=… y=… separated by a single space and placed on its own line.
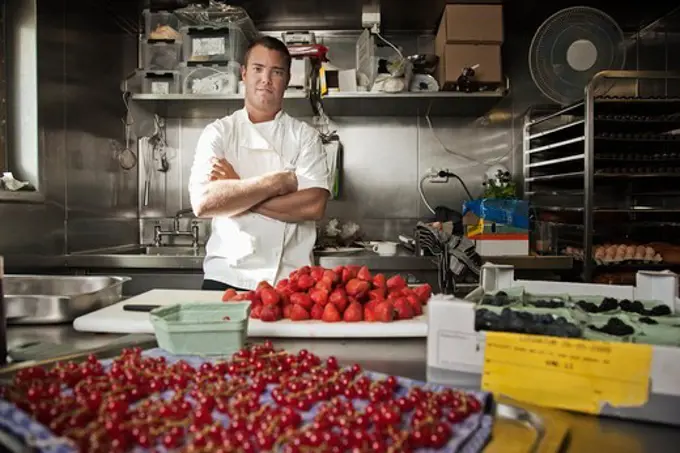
x=435 y=178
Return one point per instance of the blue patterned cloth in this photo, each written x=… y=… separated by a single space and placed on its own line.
x=471 y=436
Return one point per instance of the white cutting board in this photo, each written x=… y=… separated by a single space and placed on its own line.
x=113 y=319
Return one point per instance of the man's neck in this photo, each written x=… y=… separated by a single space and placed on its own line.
x=259 y=116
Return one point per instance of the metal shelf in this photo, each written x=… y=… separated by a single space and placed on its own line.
x=442 y=103
x=559 y=128
x=623 y=178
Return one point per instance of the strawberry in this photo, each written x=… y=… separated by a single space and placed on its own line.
x=396 y=282
x=331 y=314
x=346 y=275
x=396 y=294
x=286 y=311
x=252 y=296
x=298 y=313
x=379 y=281
x=377 y=294
x=324 y=284
x=229 y=295
x=285 y=297
x=403 y=309
x=269 y=296
x=353 y=270
x=262 y=285
x=369 y=314
x=338 y=269
x=270 y=313
x=239 y=297
x=424 y=292
x=282 y=284
x=372 y=304
x=256 y=311
x=338 y=298
x=316 y=312
x=384 y=312
x=364 y=274
x=301 y=299
x=316 y=273
x=304 y=270
x=331 y=276
x=354 y=313
x=357 y=288
x=415 y=304
x=305 y=281
x=293 y=285
x=319 y=296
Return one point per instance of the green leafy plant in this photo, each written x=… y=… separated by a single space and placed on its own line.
x=500 y=187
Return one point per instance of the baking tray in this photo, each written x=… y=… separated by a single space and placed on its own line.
x=54 y=299
x=518 y=428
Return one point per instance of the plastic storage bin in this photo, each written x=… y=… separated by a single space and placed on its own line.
x=160 y=82
x=218 y=44
x=161 y=55
x=201 y=79
x=201 y=329
x=161 y=25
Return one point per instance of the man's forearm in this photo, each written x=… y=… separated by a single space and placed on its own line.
x=300 y=206
x=231 y=197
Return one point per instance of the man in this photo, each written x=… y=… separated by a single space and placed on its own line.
x=262 y=177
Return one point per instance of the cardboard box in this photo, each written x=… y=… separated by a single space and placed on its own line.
x=472 y=24
x=456 y=352
x=454 y=57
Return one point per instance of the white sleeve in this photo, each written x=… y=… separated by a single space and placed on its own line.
x=311 y=167
x=210 y=144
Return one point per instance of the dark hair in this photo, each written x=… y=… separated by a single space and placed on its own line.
x=270 y=43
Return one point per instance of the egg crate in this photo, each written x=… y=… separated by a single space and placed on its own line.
x=656 y=261
x=470 y=435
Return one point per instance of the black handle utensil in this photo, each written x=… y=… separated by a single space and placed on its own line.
x=139 y=307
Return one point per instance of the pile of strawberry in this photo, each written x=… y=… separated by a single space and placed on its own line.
x=345 y=293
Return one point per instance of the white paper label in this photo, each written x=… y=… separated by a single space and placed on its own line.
x=204 y=47
x=160 y=87
x=459 y=348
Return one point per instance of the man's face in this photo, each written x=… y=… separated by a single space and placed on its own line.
x=266 y=78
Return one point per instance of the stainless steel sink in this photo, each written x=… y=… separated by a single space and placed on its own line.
x=151 y=250
x=174 y=250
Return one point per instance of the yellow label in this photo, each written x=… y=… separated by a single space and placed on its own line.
x=475 y=230
x=571 y=374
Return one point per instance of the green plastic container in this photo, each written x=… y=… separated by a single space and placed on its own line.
x=658 y=334
x=211 y=329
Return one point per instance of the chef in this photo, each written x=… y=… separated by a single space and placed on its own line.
x=262 y=177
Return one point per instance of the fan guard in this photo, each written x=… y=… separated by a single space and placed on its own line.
x=570 y=47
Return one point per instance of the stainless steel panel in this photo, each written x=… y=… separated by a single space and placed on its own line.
x=55 y=299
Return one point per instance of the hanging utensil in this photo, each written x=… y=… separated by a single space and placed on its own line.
x=126 y=157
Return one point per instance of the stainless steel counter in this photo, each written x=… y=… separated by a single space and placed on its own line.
x=138 y=257
x=406 y=357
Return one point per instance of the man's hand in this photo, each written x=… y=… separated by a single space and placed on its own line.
x=287 y=181
x=221 y=169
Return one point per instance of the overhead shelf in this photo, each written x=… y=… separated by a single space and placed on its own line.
x=442 y=103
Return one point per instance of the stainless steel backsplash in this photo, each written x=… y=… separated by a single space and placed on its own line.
x=92 y=202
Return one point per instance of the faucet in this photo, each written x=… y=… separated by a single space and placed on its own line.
x=158 y=233
x=178 y=215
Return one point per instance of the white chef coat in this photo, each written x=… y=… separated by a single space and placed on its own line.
x=249 y=248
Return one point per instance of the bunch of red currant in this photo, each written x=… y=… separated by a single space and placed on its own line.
x=260 y=400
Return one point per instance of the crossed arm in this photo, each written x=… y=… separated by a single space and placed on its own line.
x=294 y=206
x=216 y=189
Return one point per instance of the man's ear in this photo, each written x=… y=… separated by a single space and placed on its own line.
x=243 y=72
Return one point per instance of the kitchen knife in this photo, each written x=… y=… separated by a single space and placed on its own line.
x=139 y=307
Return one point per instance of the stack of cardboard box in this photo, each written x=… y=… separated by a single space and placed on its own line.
x=468 y=35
